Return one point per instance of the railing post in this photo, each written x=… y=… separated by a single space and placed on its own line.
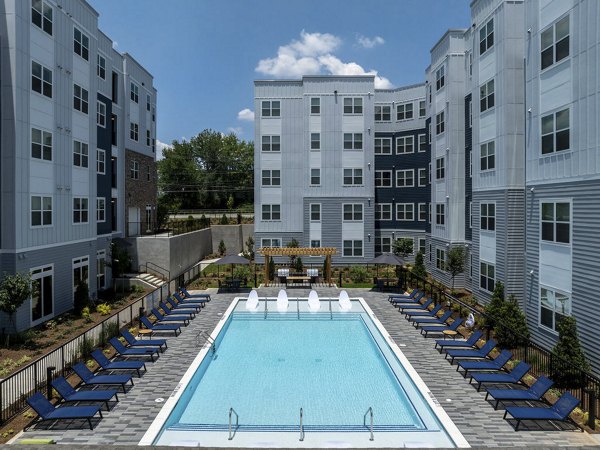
x=591 y=408
x=140 y=316
x=49 y=371
x=340 y=285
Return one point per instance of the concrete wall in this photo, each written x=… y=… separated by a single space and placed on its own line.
x=234 y=237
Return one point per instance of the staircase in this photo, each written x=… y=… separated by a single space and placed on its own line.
x=150 y=279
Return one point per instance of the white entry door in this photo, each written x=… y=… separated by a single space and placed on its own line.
x=134 y=221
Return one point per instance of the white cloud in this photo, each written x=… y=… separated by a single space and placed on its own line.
x=337 y=67
x=235 y=130
x=367 y=42
x=160 y=146
x=246 y=114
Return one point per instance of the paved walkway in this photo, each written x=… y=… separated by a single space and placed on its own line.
x=476 y=419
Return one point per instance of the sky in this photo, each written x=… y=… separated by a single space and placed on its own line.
x=204 y=55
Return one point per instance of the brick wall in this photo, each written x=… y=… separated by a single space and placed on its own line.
x=139 y=192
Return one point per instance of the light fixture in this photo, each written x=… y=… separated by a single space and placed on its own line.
x=529 y=30
x=447 y=197
x=529 y=110
x=531 y=272
x=532 y=189
x=369 y=236
x=447 y=149
x=369 y=200
x=447 y=245
x=369 y=165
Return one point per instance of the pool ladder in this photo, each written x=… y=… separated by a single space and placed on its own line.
x=237 y=419
x=370 y=413
x=301 y=425
x=208 y=339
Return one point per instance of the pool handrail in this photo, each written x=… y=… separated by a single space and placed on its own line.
x=237 y=419
x=369 y=411
x=301 y=426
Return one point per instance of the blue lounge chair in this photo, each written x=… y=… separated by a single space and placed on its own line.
x=133 y=342
x=444 y=344
x=124 y=351
x=432 y=313
x=495 y=364
x=179 y=309
x=415 y=307
x=88 y=377
x=534 y=393
x=173 y=312
x=187 y=301
x=559 y=411
x=420 y=321
x=47 y=411
x=160 y=327
x=415 y=300
x=163 y=319
x=188 y=295
x=410 y=296
x=426 y=329
x=69 y=394
x=107 y=364
x=196 y=306
x=481 y=353
x=513 y=376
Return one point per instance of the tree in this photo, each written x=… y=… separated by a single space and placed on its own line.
x=403 y=247
x=81 y=298
x=455 y=262
x=224 y=220
x=250 y=248
x=419 y=267
x=14 y=290
x=120 y=261
x=164 y=205
x=271 y=269
x=293 y=244
x=298 y=265
x=222 y=249
x=514 y=331
x=230 y=202
x=571 y=360
x=493 y=310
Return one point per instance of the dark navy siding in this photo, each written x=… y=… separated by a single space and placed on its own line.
x=468 y=178
x=104 y=142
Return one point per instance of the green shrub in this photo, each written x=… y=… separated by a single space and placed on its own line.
x=419 y=267
x=224 y=220
x=86 y=315
x=110 y=330
x=103 y=309
x=298 y=265
x=222 y=249
x=85 y=348
x=81 y=296
x=565 y=370
x=271 y=269
x=242 y=273
x=494 y=309
x=513 y=332
x=359 y=274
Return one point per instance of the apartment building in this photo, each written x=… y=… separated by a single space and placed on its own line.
x=63 y=116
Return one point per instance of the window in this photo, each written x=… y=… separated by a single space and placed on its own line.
x=315 y=243
x=440 y=78
x=148 y=139
x=405 y=144
x=353 y=248
x=100 y=161
x=147 y=102
x=271 y=178
x=80 y=271
x=487 y=276
x=423 y=177
x=275 y=242
x=470 y=59
x=353 y=212
x=439 y=123
x=487 y=215
x=555 y=43
x=383 y=178
x=422 y=110
x=80 y=99
x=80 y=154
x=80 y=210
x=422 y=212
x=440 y=214
x=555 y=132
x=405 y=178
x=41 y=15
x=134 y=131
x=353 y=177
x=404 y=111
x=353 y=105
x=488 y=155
x=315 y=212
x=101 y=209
x=81 y=44
x=430 y=252
x=41 y=144
x=422 y=247
x=315 y=141
x=440 y=170
x=271 y=212
x=470 y=113
x=353 y=141
x=470 y=156
x=429 y=132
x=422 y=143
x=113 y=129
x=405 y=212
x=556 y=222
x=134 y=170
x=315 y=177
x=315 y=105
x=383 y=146
x=486 y=96
x=383 y=113
x=440 y=259
x=148 y=174
x=271 y=143
x=101 y=67
x=271 y=108
x=383 y=244
x=429 y=173
x=101 y=269
x=554 y=306
x=429 y=214
x=383 y=211
x=101 y=114
x=41 y=79
x=42 y=302
x=470 y=214
x=486 y=37
x=115 y=87
x=41 y=211
x=134 y=92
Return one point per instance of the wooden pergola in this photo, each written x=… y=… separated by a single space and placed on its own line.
x=298 y=251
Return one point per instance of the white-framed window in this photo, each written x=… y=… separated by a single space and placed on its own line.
x=100 y=161
x=405 y=178
x=471 y=163
x=470 y=113
x=486 y=96
x=352 y=212
x=422 y=111
x=383 y=113
x=271 y=108
x=134 y=92
x=429 y=214
x=470 y=63
x=470 y=214
x=42 y=297
x=429 y=132
x=554 y=306
x=405 y=212
x=429 y=93
x=383 y=146
x=81 y=271
x=422 y=246
x=405 y=144
x=101 y=114
x=147 y=102
x=440 y=77
x=100 y=209
x=440 y=213
x=81 y=44
x=440 y=168
x=315 y=105
x=101 y=67
x=353 y=247
x=383 y=178
x=429 y=173
x=353 y=177
x=488 y=156
x=270 y=242
x=487 y=216
x=315 y=141
x=148 y=140
x=404 y=111
x=423 y=177
x=271 y=143
x=80 y=154
x=101 y=269
x=315 y=243
x=315 y=212
x=422 y=143
x=41 y=144
x=134 y=131
x=439 y=123
x=41 y=211
x=80 y=99
x=80 y=210
x=271 y=212
x=440 y=259
x=353 y=105
x=134 y=169
x=383 y=244
x=353 y=141
x=555 y=222
x=315 y=177
x=41 y=79
x=555 y=43
x=271 y=177
x=383 y=211
x=423 y=212
x=487 y=276
x=42 y=15
x=486 y=37
x=556 y=132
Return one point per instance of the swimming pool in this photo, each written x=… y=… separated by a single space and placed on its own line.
x=335 y=366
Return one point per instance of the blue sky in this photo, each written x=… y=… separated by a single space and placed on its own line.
x=204 y=55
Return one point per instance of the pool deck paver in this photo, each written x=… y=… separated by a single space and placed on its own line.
x=481 y=426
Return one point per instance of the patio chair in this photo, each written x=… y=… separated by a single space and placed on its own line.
x=480 y=353
x=410 y=314
x=414 y=307
x=420 y=321
x=88 y=377
x=163 y=319
x=192 y=306
x=515 y=376
x=190 y=296
x=414 y=300
x=190 y=314
x=188 y=301
x=70 y=394
x=125 y=352
x=47 y=411
x=559 y=411
x=133 y=342
x=534 y=393
x=495 y=364
x=433 y=328
x=107 y=364
x=410 y=296
x=160 y=327
x=442 y=344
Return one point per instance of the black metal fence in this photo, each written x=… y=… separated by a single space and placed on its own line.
x=167 y=229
